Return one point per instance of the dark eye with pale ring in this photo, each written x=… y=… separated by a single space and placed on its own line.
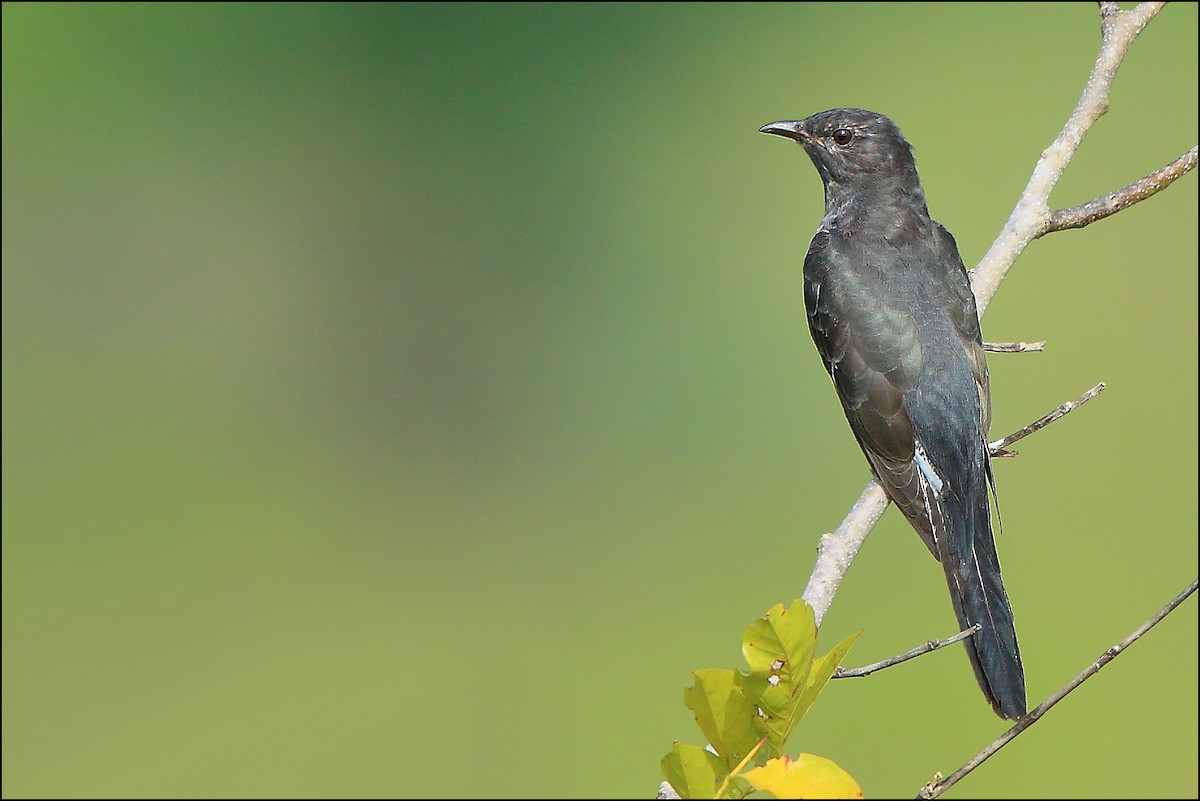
x=843 y=136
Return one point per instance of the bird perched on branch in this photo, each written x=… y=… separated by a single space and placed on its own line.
x=892 y=314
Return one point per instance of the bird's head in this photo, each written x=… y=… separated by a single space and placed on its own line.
x=851 y=146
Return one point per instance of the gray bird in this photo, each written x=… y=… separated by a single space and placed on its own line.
x=892 y=314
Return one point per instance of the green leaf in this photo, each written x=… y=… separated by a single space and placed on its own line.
x=735 y=709
x=723 y=713
x=782 y=636
x=779 y=649
x=693 y=771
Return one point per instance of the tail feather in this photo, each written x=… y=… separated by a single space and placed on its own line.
x=977 y=591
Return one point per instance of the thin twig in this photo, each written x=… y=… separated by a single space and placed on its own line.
x=923 y=648
x=1014 y=347
x=1101 y=207
x=939 y=786
x=998 y=448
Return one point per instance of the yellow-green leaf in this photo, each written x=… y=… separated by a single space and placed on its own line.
x=723 y=713
x=694 y=772
x=781 y=642
x=779 y=649
x=807 y=776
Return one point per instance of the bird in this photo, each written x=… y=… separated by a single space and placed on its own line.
x=893 y=317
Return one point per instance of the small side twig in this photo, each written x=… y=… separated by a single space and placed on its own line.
x=999 y=447
x=1101 y=207
x=1014 y=347
x=939 y=785
x=923 y=648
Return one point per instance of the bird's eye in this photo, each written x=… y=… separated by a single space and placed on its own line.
x=843 y=136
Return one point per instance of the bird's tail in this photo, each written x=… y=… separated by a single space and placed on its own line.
x=977 y=590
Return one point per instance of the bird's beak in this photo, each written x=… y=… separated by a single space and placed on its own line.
x=792 y=129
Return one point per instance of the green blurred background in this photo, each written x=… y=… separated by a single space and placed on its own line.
x=403 y=399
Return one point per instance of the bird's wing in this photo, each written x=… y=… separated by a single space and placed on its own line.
x=874 y=356
x=964 y=316
x=960 y=305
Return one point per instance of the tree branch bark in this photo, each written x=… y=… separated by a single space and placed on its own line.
x=1139 y=190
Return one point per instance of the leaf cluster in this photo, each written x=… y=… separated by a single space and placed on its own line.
x=747 y=716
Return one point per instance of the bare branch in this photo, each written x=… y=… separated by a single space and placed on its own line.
x=939 y=785
x=923 y=648
x=1014 y=347
x=836 y=551
x=998 y=447
x=1032 y=212
x=1101 y=207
